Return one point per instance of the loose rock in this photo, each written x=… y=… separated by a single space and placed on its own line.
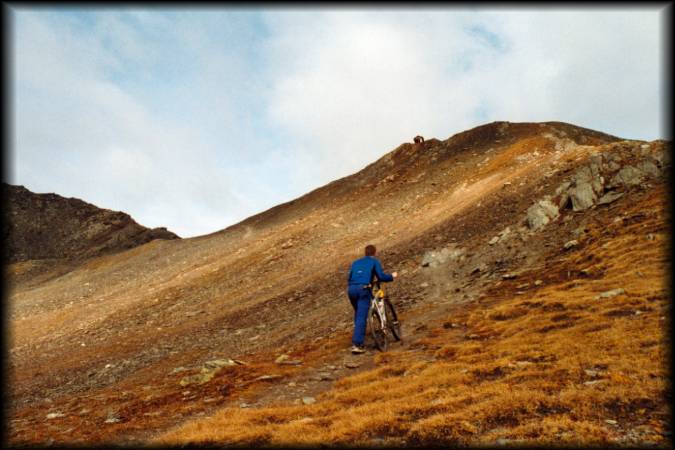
x=570 y=244
x=291 y=362
x=504 y=234
x=268 y=377
x=610 y=293
x=112 y=418
x=480 y=268
x=217 y=363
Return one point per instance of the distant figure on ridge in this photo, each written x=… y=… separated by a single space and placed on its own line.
x=418 y=139
x=361 y=275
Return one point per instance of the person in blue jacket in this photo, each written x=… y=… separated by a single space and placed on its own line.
x=361 y=274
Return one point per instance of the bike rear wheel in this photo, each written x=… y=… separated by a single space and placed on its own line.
x=377 y=330
x=392 y=320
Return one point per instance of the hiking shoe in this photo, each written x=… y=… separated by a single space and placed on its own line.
x=357 y=349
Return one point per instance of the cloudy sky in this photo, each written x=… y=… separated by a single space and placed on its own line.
x=196 y=119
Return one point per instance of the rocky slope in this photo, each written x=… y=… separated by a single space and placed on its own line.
x=48 y=226
x=127 y=345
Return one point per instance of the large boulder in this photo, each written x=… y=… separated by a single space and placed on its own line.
x=649 y=167
x=662 y=156
x=596 y=161
x=435 y=258
x=589 y=174
x=583 y=196
x=627 y=176
x=541 y=213
x=586 y=185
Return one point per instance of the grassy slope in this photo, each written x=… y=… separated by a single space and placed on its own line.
x=548 y=363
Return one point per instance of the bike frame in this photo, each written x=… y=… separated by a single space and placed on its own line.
x=377 y=303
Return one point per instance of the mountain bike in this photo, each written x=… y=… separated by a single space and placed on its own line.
x=382 y=318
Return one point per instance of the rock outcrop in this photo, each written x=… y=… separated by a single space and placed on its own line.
x=626 y=164
x=46 y=226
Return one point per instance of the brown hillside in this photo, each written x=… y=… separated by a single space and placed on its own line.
x=104 y=348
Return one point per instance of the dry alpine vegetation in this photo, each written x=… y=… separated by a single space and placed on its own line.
x=532 y=291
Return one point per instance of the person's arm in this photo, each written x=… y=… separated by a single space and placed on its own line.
x=381 y=274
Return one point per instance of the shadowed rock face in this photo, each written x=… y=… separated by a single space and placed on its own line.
x=45 y=226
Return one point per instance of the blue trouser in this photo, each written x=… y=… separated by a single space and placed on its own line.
x=360 y=298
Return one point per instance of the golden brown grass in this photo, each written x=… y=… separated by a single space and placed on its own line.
x=548 y=366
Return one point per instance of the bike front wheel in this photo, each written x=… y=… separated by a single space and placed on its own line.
x=377 y=329
x=392 y=320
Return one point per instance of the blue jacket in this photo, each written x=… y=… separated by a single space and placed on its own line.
x=364 y=269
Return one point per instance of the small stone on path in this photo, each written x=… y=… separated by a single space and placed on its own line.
x=268 y=377
x=611 y=293
x=570 y=244
x=291 y=362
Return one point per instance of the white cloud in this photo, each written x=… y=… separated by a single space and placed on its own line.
x=356 y=84
x=82 y=135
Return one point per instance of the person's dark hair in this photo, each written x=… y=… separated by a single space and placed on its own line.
x=370 y=250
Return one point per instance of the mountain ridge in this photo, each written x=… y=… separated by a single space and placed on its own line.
x=50 y=226
x=474 y=138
